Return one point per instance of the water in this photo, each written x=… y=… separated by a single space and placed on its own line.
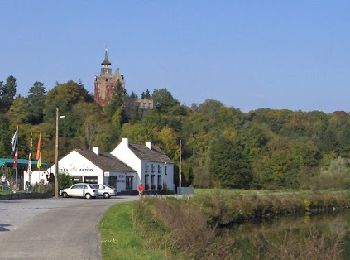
x=325 y=236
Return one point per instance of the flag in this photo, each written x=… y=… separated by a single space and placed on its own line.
x=38 y=164
x=14 y=141
x=38 y=153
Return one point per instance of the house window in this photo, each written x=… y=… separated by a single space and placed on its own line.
x=159 y=169
x=165 y=169
x=146 y=182
x=153 y=187
x=152 y=167
x=146 y=167
x=159 y=182
x=91 y=179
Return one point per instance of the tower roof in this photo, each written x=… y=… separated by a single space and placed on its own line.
x=106 y=61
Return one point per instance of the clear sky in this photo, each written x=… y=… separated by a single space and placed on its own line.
x=247 y=54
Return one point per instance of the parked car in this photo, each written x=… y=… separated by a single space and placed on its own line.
x=105 y=190
x=79 y=190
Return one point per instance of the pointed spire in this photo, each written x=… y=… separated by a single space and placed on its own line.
x=106 y=61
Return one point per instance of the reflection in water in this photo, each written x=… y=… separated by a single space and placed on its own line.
x=324 y=236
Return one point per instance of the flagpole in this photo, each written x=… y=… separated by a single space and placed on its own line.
x=30 y=159
x=16 y=159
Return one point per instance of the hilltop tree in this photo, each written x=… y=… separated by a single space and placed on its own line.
x=7 y=92
x=146 y=94
x=36 y=102
x=64 y=96
x=18 y=113
x=164 y=99
x=116 y=101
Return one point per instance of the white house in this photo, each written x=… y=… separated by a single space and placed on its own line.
x=154 y=169
x=97 y=168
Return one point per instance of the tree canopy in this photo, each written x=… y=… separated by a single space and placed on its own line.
x=221 y=146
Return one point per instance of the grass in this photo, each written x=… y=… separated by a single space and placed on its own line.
x=263 y=192
x=120 y=240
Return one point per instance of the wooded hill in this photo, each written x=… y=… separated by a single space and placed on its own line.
x=221 y=146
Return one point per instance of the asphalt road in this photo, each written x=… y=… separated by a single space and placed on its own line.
x=52 y=229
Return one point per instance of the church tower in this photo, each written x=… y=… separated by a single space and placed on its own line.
x=106 y=82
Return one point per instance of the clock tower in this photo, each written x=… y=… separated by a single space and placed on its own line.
x=106 y=82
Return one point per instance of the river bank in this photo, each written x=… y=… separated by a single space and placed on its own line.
x=197 y=228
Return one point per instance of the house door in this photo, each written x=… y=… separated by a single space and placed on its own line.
x=112 y=181
x=129 y=182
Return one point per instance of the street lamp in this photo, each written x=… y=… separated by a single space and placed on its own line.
x=56 y=152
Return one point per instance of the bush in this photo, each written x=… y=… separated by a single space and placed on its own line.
x=64 y=181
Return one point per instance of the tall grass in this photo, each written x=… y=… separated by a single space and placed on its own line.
x=183 y=230
x=119 y=240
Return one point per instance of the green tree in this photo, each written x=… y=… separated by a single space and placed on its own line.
x=64 y=96
x=116 y=101
x=163 y=100
x=229 y=166
x=36 y=101
x=18 y=113
x=7 y=93
x=146 y=94
x=5 y=136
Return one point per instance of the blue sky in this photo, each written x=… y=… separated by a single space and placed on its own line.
x=247 y=54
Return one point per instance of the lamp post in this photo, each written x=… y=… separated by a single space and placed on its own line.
x=56 y=152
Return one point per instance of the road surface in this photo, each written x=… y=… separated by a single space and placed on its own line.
x=52 y=229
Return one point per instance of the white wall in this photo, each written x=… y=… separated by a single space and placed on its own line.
x=36 y=176
x=123 y=153
x=75 y=164
x=168 y=179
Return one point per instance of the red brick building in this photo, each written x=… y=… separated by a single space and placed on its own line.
x=106 y=81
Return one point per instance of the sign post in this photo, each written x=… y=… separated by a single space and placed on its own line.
x=140 y=189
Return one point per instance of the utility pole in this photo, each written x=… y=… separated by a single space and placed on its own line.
x=180 y=164
x=56 y=154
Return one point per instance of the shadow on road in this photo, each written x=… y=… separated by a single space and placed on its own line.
x=3 y=227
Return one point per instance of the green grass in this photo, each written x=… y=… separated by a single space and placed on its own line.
x=119 y=239
x=263 y=192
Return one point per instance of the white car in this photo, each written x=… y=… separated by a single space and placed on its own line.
x=104 y=190
x=80 y=190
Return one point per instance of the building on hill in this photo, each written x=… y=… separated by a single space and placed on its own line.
x=145 y=103
x=106 y=82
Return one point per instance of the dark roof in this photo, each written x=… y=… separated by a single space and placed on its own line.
x=105 y=161
x=144 y=153
x=106 y=61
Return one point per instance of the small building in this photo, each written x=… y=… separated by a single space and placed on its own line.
x=145 y=103
x=37 y=175
x=97 y=168
x=154 y=169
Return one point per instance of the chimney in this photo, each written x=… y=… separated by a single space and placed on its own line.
x=95 y=149
x=125 y=141
x=149 y=145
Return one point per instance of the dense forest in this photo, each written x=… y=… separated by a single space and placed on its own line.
x=221 y=146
